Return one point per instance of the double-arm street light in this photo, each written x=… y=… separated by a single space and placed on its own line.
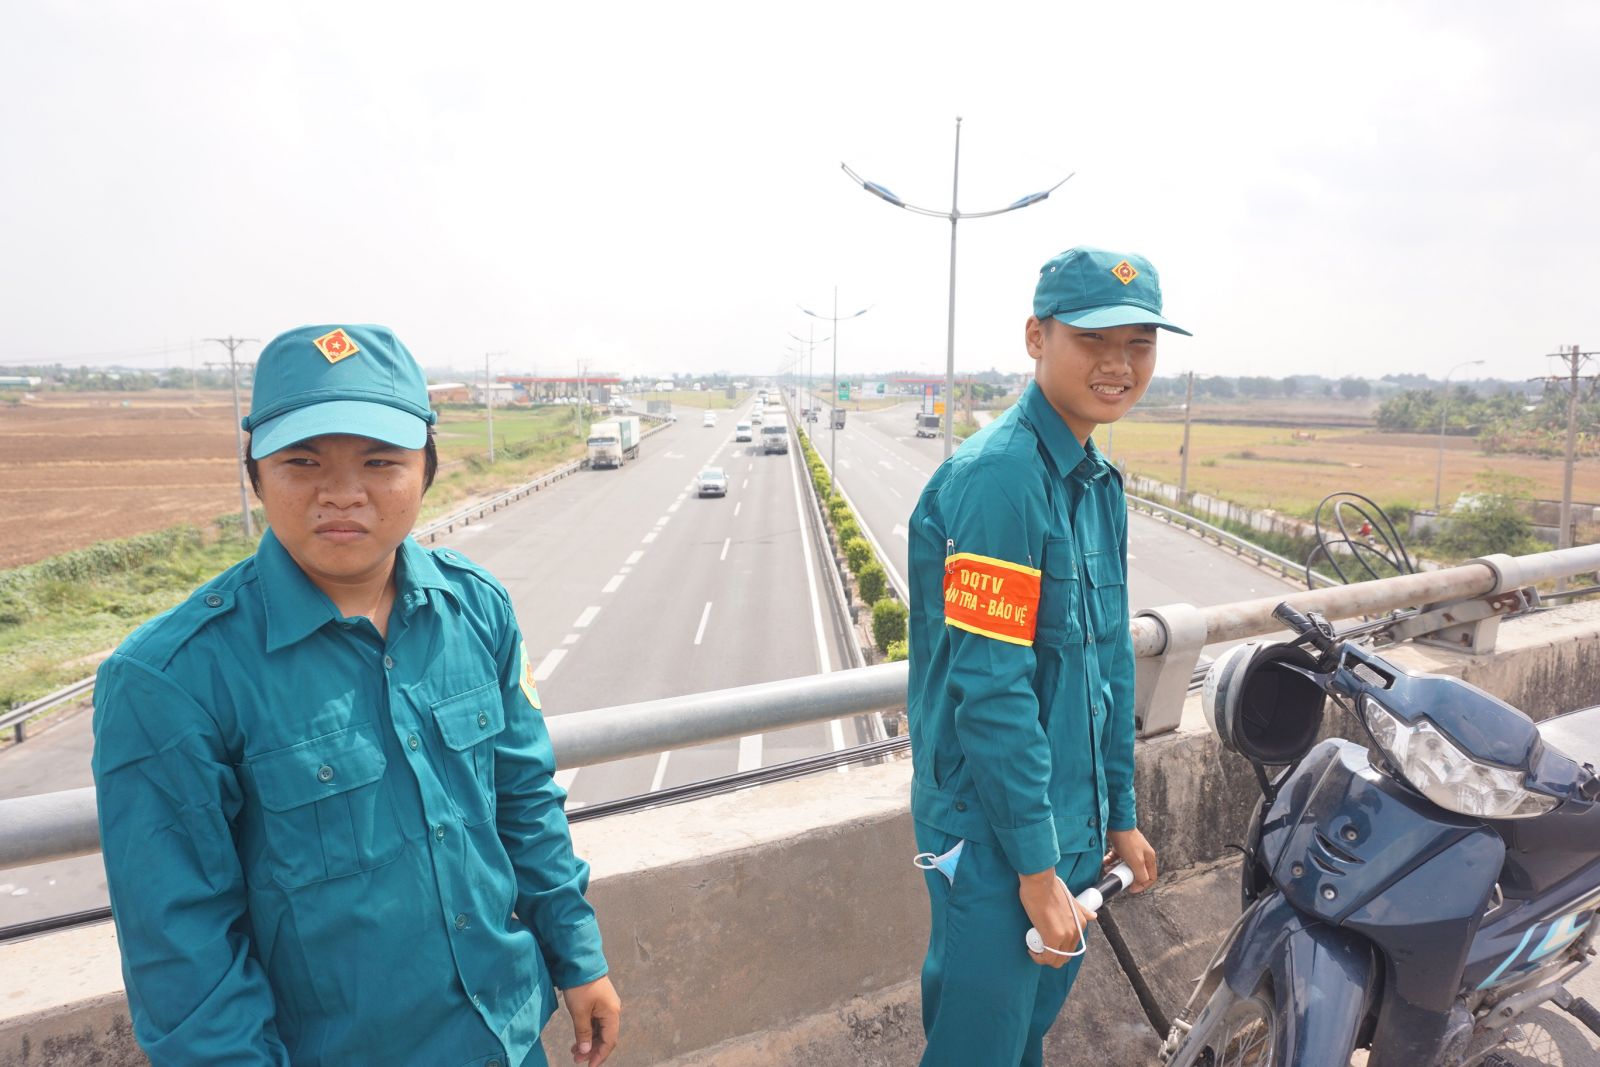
x=954 y=215
x=1444 y=406
x=833 y=423
x=811 y=342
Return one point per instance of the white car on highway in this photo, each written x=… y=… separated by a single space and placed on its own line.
x=710 y=419
x=713 y=481
x=744 y=432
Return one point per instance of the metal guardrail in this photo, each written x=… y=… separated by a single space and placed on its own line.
x=17 y=718
x=61 y=825
x=1239 y=545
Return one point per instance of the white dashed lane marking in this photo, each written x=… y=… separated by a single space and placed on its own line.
x=548 y=665
x=725 y=543
x=634 y=557
x=586 y=617
x=704 y=615
x=611 y=586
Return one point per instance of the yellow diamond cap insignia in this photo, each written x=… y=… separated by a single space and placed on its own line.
x=1124 y=272
x=336 y=345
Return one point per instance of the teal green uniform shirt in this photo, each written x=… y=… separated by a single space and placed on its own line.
x=324 y=847
x=1021 y=661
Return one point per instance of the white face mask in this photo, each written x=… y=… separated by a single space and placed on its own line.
x=945 y=864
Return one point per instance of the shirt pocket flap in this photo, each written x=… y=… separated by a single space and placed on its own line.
x=1103 y=569
x=468 y=718
x=1059 y=559
x=320 y=768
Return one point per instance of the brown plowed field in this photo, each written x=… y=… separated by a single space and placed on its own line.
x=76 y=468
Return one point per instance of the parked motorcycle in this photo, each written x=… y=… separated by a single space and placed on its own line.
x=1413 y=902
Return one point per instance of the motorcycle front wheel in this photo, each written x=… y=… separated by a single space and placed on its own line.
x=1233 y=1032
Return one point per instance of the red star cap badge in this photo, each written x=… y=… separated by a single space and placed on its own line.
x=336 y=345
x=1124 y=272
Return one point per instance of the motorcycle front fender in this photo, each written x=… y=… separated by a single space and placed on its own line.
x=1321 y=979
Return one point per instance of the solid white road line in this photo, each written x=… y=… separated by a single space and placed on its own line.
x=661 y=772
x=634 y=557
x=824 y=661
x=725 y=543
x=586 y=617
x=750 y=752
x=548 y=665
x=704 y=615
x=611 y=586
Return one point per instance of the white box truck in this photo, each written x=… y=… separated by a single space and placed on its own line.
x=775 y=434
x=614 y=441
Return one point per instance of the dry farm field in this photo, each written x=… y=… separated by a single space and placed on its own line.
x=77 y=468
x=1291 y=470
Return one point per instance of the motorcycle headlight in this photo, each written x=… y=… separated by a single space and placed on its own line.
x=1434 y=766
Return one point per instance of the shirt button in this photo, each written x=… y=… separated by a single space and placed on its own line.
x=213 y=600
x=461 y=921
x=324 y=773
x=1093 y=822
x=1096 y=711
x=483 y=718
x=477 y=1001
x=413 y=742
x=1091 y=638
x=438 y=833
x=492 y=1063
x=961 y=805
x=388 y=663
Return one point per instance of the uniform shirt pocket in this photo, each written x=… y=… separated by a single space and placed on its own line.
x=1109 y=596
x=468 y=724
x=327 y=811
x=1059 y=597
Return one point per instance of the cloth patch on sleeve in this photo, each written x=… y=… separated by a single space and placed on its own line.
x=529 y=689
x=991 y=597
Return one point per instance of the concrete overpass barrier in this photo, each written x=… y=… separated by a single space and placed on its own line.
x=785 y=924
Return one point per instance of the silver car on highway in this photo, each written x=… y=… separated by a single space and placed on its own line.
x=712 y=481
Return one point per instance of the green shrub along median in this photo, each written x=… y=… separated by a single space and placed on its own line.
x=888 y=624
x=872 y=582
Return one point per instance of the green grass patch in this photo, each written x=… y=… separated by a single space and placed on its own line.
x=56 y=614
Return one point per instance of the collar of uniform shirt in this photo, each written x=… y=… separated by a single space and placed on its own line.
x=1069 y=457
x=296 y=608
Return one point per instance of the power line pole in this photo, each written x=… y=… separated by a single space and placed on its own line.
x=1575 y=361
x=232 y=344
x=488 y=397
x=1188 y=408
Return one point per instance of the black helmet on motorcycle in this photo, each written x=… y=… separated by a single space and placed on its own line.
x=1259 y=707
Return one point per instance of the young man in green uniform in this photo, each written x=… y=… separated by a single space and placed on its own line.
x=330 y=827
x=1021 y=666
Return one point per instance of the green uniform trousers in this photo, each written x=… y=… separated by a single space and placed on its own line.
x=984 y=1001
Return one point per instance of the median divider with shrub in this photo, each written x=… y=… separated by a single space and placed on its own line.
x=862 y=570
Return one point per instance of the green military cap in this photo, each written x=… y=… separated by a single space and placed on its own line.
x=1091 y=288
x=318 y=380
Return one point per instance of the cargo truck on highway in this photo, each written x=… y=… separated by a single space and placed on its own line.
x=927 y=424
x=614 y=441
x=775 y=434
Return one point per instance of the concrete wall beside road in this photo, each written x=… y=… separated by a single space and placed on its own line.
x=785 y=925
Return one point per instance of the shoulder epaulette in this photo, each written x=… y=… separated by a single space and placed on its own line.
x=158 y=640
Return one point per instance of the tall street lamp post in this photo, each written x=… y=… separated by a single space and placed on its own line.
x=1444 y=406
x=954 y=215
x=811 y=342
x=833 y=428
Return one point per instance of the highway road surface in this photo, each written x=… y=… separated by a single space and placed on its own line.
x=882 y=466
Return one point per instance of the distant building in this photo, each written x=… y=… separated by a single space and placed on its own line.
x=20 y=381
x=449 y=393
x=504 y=393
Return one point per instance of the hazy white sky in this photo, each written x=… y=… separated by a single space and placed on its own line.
x=1335 y=188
